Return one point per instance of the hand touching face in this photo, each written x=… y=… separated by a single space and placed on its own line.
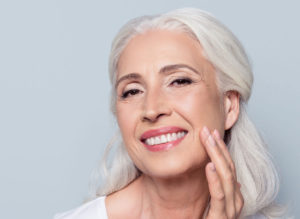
x=166 y=93
x=226 y=200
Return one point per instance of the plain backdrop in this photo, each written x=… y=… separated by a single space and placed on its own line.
x=54 y=92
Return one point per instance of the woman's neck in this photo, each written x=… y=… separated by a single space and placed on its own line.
x=146 y=197
x=185 y=196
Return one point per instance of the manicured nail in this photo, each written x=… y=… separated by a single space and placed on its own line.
x=205 y=131
x=211 y=140
x=217 y=134
x=212 y=167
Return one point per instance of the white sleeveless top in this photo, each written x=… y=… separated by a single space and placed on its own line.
x=95 y=209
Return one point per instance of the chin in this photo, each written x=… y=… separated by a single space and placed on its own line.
x=175 y=166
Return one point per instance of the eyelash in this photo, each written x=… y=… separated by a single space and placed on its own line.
x=180 y=82
x=130 y=93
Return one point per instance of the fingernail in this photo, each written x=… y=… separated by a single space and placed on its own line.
x=217 y=134
x=205 y=131
x=211 y=140
x=212 y=167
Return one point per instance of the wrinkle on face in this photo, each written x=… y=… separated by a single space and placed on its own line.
x=151 y=60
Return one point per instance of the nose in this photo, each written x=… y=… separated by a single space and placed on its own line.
x=155 y=106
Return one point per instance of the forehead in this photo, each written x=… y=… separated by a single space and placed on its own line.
x=154 y=49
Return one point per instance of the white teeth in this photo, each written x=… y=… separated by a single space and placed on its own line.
x=168 y=137
x=164 y=138
x=156 y=140
x=180 y=134
x=173 y=136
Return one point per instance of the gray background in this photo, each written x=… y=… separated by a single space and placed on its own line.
x=54 y=92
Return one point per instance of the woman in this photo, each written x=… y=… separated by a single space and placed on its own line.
x=180 y=82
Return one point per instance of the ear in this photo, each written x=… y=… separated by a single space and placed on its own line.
x=232 y=108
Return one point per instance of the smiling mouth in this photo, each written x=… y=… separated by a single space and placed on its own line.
x=164 y=138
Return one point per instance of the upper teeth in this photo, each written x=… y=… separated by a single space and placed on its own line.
x=164 y=138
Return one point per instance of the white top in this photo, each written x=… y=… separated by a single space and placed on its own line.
x=95 y=209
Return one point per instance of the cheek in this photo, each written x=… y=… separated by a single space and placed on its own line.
x=126 y=120
x=200 y=107
x=128 y=117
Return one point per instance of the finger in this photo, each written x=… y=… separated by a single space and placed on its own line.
x=223 y=169
x=239 y=200
x=224 y=150
x=217 y=199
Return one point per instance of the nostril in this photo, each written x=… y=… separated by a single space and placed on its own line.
x=160 y=115
x=152 y=118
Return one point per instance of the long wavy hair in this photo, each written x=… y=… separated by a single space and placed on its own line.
x=254 y=168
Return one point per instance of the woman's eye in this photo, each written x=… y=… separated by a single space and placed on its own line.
x=181 y=81
x=130 y=93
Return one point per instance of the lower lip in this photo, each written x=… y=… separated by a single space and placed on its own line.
x=164 y=146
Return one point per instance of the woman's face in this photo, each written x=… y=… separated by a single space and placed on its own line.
x=165 y=86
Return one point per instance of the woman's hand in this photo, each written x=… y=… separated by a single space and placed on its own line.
x=226 y=200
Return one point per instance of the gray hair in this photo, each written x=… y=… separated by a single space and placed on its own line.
x=254 y=167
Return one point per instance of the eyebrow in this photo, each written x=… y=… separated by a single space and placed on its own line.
x=163 y=70
x=170 y=68
x=135 y=76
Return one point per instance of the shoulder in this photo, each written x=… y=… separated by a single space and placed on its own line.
x=94 y=209
x=125 y=203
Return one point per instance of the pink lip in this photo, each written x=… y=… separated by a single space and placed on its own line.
x=161 y=131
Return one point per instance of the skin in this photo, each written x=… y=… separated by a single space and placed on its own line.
x=164 y=80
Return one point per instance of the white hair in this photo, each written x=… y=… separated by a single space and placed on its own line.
x=254 y=167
